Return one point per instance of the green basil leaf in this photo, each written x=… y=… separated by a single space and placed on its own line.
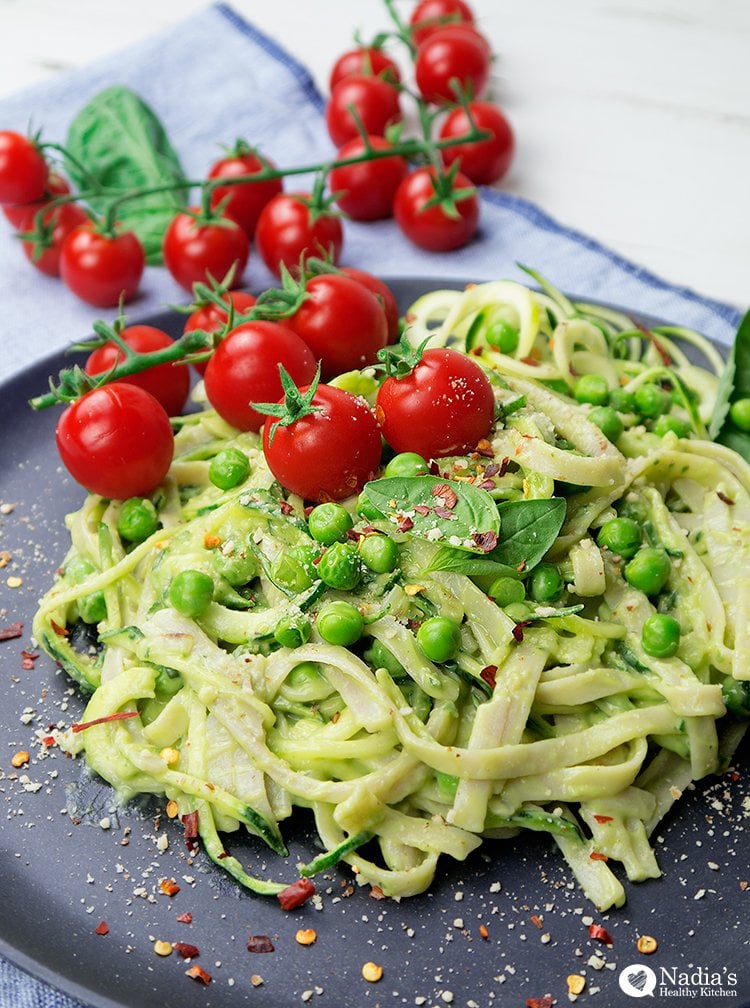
x=734 y=384
x=528 y=528
x=461 y=562
x=463 y=516
x=120 y=141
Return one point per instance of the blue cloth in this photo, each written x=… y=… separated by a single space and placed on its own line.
x=213 y=78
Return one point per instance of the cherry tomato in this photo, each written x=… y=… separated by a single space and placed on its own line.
x=288 y=230
x=375 y=101
x=432 y=227
x=341 y=322
x=244 y=369
x=101 y=269
x=23 y=170
x=365 y=191
x=116 y=441
x=21 y=215
x=383 y=293
x=62 y=220
x=325 y=455
x=483 y=161
x=430 y=15
x=367 y=60
x=209 y=317
x=199 y=250
x=449 y=55
x=245 y=200
x=169 y=384
x=444 y=406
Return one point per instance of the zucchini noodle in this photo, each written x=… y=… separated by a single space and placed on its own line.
x=555 y=714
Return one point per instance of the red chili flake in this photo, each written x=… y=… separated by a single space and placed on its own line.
x=423 y=509
x=521 y=566
x=199 y=974
x=517 y=631
x=484 y=448
x=504 y=466
x=598 y=933
x=489 y=674
x=260 y=943
x=603 y=818
x=11 y=631
x=405 y=523
x=117 y=716
x=537 y=921
x=169 y=887
x=185 y=918
x=102 y=928
x=377 y=893
x=444 y=512
x=487 y=484
x=596 y=856
x=190 y=822
x=485 y=541
x=186 y=951
x=48 y=740
x=541 y=1002
x=531 y=361
x=723 y=497
x=296 y=894
x=61 y=631
x=450 y=498
x=285 y=507
x=27 y=659
x=735 y=775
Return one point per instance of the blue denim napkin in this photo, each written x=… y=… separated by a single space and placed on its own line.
x=211 y=79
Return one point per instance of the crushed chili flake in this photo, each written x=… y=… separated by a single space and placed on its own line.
x=27 y=660
x=541 y=1002
x=603 y=818
x=11 y=631
x=444 y=512
x=286 y=508
x=598 y=933
x=723 y=497
x=537 y=921
x=61 y=631
x=48 y=740
x=484 y=448
x=598 y=856
x=504 y=466
x=521 y=566
x=198 y=974
x=102 y=928
x=296 y=894
x=405 y=523
x=489 y=674
x=517 y=632
x=487 y=484
x=485 y=541
x=447 y=493
x=260 y=943
x=185 y=918
x=422 y=509
x=190 y=822
x=377 y=893
x=169 y=887
x=117 y=716
x=186 y=950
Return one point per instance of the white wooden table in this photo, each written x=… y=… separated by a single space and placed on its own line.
x=632 y=117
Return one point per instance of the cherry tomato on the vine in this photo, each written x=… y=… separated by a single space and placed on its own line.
x=450 y=55
x=21 y=215
x=244 y=201
x=375 y=101
x=430 y=15
x=483 y=161
x=102 y=269
x=197 y=249
x=365 y=190
x=23 y=170
x=59 y=222
x=341 y=322
x=244 y=369
x=290 y=227
x=436 y=227
x=328 y=454
x=383 y=293
x=367 y=60
x=209 y=317
x=443 y=406
x=116 y=441
x=168 y=383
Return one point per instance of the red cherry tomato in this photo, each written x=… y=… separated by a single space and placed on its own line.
x=365 y=191
x=102 y=269
x=375 y=101
x=430 y=15
x=444 y=406
x=383 y=293
x=245 y=200
x=169 y=384
x=23 y=170
x=483 y=161
x=62 y=220
x=288 y=230
x=116 y=441
x=430 y=226
x=21 y=215
x=325 y=455
x=198 y=250
x=244 y=369
x=449 y=55
x=341 y=322
x=367 y=60
x=209 y=317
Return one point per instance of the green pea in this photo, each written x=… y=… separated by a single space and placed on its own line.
x=191 y=592
x=293 y=630
x=660 y=636
x=168 y=682
x=379 y=656
x=295 y=570
x=652 y=400
x=329 y=523
x=621 y=400
x=229 y=468
x=507 y=590
x=608 y=422
x=305 y=675
x=739 y=414
x=649 y=569
x=592 y=388
x=736 y=697
x=92 y=608
x=502 y=335
x=379 y=553
x=366 y=508
x=407 y=464
x=621 y=536
x=518 y=611
x=79 y=569
x=137 y=519
x=546 y=583
x=667 y=423
x=238 y=566
x=340 y=623
x=339 y=566
x=439 y=638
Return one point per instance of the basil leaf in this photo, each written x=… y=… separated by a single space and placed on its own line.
x=120 y=141
x=528 y=529
x=436 y=509
x=734 y=384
